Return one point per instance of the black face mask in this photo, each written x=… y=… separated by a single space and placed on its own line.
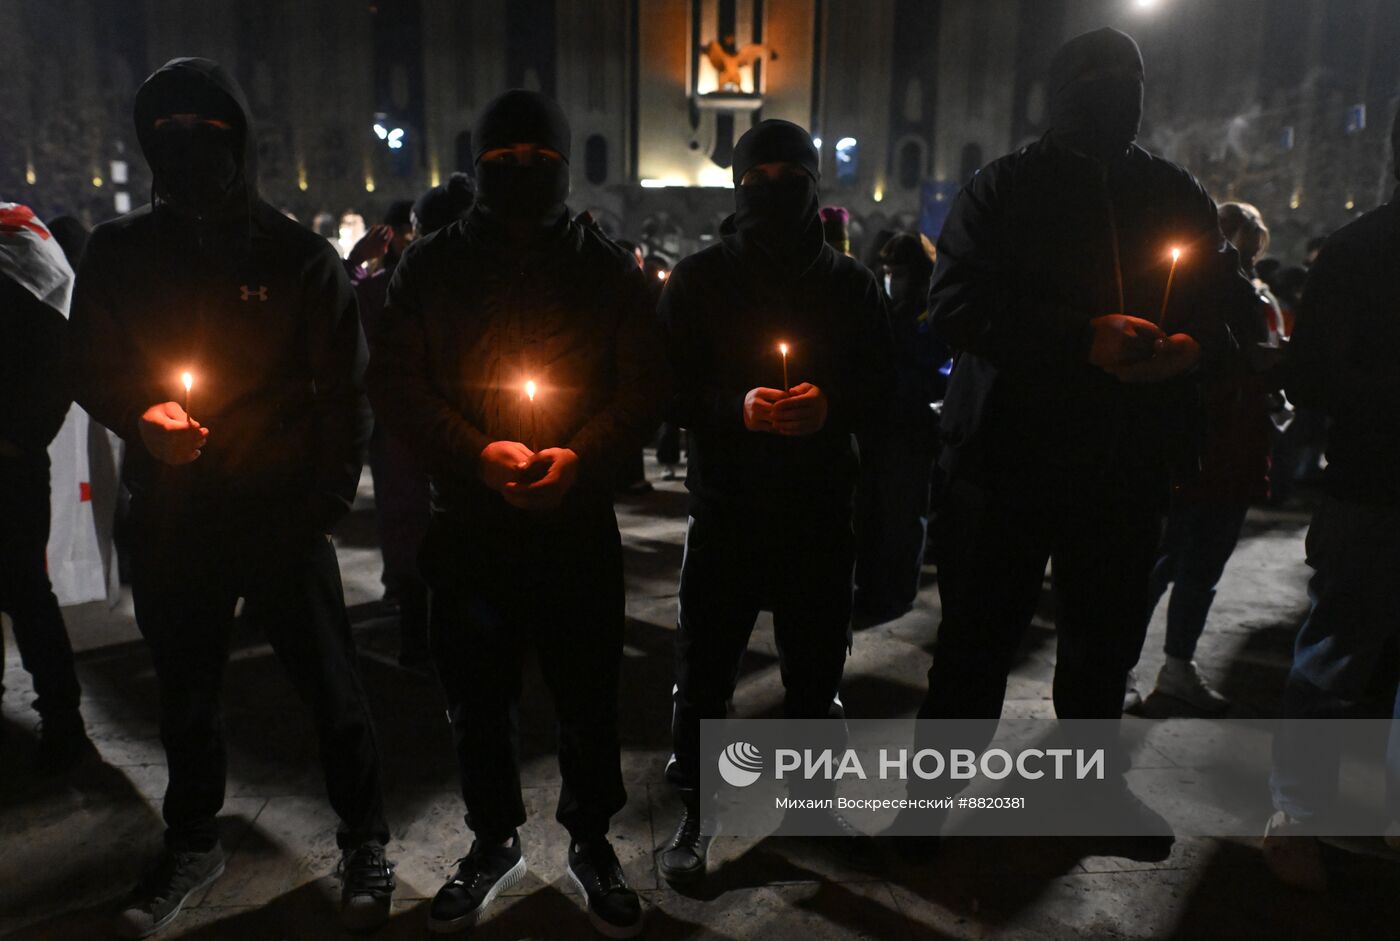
x=1098 y=116
x=774 y=216
x=196 y=169
x=523 y=195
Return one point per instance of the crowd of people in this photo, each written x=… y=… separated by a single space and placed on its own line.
x=1046 y=385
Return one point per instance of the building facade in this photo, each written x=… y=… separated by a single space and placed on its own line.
x=1285 y=103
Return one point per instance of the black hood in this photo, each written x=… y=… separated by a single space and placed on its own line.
x=774 y=140
x=526 y=199
x=1095 y=93
x=200 y=86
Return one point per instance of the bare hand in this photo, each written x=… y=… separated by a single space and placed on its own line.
x=373 y=244
x=758 y=408
x=1175 y=355
x=548 y=492
x=802 y=412
x=502 y=463
x=1120 y=340
x=170 y=435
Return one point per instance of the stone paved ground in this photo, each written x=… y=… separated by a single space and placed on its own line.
x=69 y=848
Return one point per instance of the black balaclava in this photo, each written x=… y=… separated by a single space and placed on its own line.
x=199 y=170
x=777 y=218
x=1095 y=89
x=522 y=197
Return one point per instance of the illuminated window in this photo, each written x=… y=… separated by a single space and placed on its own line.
x=847 y=160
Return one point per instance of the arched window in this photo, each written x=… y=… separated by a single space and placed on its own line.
x=910 y=164
x=595 y=159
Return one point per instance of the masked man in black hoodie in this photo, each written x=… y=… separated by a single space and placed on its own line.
x=1070 y=393
x=519 y=357
x=237 y=479
x=772 y=470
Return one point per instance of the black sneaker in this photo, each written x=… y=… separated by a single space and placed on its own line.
x=1135 y=830
x=158 y=899
x=613 y=908
x=683 y=860
x=63 y=743
x=485 y=872
x=367 y=887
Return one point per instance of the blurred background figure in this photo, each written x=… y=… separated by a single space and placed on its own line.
x=1208 y=507
x=36 y=284
x=401 y=498
x=349 y=230
x=836 y=228
x=631 y=473
x=897 y=467
x=657 y=268
x=444 y=204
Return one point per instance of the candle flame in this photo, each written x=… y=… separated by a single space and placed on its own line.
x=1176 y=253
x=530 y=390
x=782 y=348
x=187 y=379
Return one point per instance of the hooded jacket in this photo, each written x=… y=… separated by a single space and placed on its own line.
x=1036 y=245
x=255 y=306
x=725 y=309
x=471 y=318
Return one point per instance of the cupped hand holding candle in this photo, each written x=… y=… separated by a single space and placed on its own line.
x=1121 y=340
x=551 y=474
x=802 y=412
x=501 y=463
x=170 y=434
x=758 y=408
x=1174 y=355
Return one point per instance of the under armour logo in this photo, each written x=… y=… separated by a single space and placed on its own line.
x=248 y=293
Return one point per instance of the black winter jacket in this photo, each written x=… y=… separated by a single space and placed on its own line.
x=1037 y=244
x=469 y=320
x=724 y=317
x=259 y=309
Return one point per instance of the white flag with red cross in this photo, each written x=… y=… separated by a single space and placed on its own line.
x=30 y=256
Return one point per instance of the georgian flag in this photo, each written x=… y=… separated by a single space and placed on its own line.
x=31 y=257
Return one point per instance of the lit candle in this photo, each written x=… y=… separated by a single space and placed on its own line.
x=1167 y=294
x=783 y=350
x=530 y=390
x=187 y=380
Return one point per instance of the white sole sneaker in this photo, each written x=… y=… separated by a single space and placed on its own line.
x=512 y=878
x=127 y=929
x=606 y=928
